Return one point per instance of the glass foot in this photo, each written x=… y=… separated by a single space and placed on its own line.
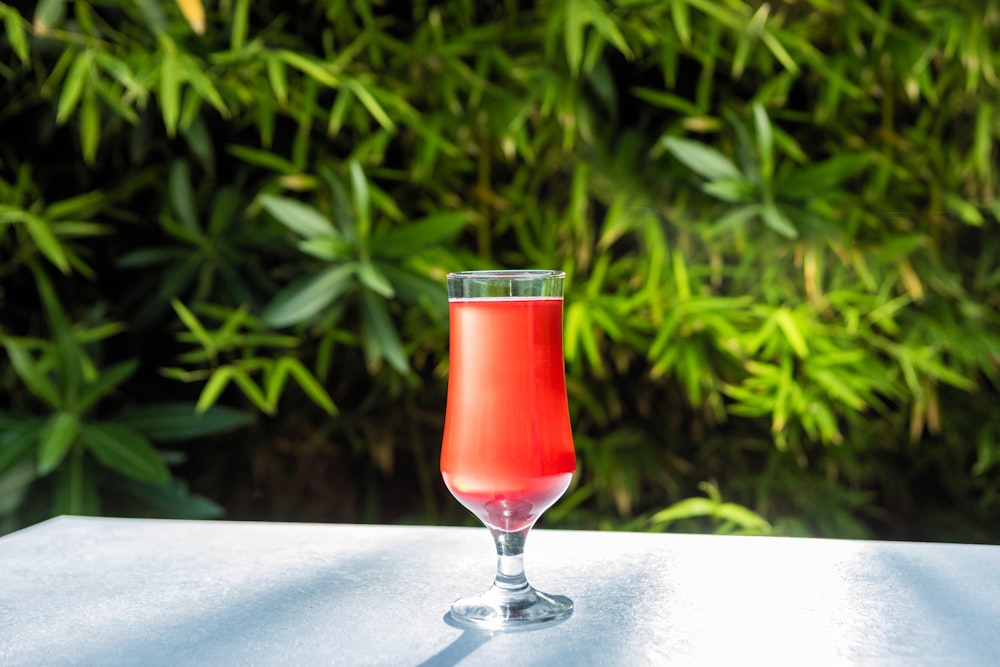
x=499 y=609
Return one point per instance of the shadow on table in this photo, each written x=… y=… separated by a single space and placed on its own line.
x=471 y=639
x=229 y=628
x=461 y=648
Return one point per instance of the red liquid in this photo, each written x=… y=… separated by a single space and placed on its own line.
x=507 y=453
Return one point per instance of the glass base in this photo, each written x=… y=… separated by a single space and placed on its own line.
x=499 y=609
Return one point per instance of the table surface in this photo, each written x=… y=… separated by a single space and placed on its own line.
x=151 y=592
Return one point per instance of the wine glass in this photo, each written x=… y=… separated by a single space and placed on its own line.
x=507 y=453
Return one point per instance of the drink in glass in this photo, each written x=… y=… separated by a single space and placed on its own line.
x=507 y=453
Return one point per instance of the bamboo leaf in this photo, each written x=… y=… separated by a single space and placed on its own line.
x=191 y=321
x=362 y=198
x=264 y=159
x=27 y=369
x=213 y=388
x=371 y=277
x=575 y=24
x=776 y=220
x=689 y=508
x=302 y=219
x=681 y=22
x=371 y=104
x=202 y=84
x=309 y=66
x=381 y=338
x=182 y=197
x=241 y=17
x=252 y=391
x=48 y=15
x=105 y=383
x=792 y=333
x=55 y=440
x=16 y=35
x=702 y=159
x=46 y=241
x=17 y=442
x=303 y=300
x=174 y=421
x=76 y=491
x=309 y=384
x=276 y=76
x=765 y=141
x=125 y=451
x=415 y=236
x=170 y=92
x=73 y=86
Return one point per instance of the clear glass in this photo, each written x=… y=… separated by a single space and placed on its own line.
x=507 y=453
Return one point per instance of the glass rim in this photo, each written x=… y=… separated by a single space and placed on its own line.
x=508 y=274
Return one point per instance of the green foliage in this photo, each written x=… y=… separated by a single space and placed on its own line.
x=778 y=221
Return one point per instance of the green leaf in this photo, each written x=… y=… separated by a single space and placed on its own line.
x=790 y=328
x=264 y=159
x=16 y=35
x=310 y=385
x=689 y=508
x=170 y=92
x=286 y=366
x=732 y=190
x=743 y=517
x=71 y=357
x=171 y=500
x=362 y=197
x=124 y=450
x=194 y=326
x=72 y=90
x=381 y=339
x=214 y=387
x=681 y=22
x=76 y=491
x=17 y=442
x=56 y=438
x=807 y=182
x=777 y=49
x=48 y=244
x=606 y=27
x=702 y=159
x=302 y=219
x=327 y=248
x=279 y=82
x=105 y=383
x=25 y=367
x=182 y=197
x=338 y=111
x=241 y=13
x=371 y=277
x=172 y=421
x=202 y=84
x=574 y=35
x=371 y=104
x=310 y=66
x=667 y=100
x=252 y=391
x=304 y=299
x=90 y=126
x=778 y=221
x=420 y=234
x=765 y=141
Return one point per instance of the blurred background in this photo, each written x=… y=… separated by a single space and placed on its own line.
x=225 y=226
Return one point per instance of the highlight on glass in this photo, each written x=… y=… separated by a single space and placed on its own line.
x=507 y=453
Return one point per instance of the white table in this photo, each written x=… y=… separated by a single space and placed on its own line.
x=76 y=591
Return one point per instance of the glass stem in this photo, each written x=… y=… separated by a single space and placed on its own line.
x=510 y=560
